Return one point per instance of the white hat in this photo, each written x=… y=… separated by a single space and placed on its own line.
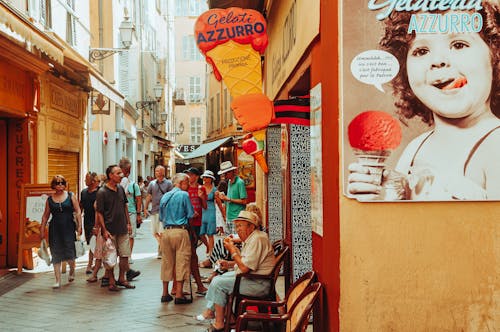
x=225 y=167
x=208 y=174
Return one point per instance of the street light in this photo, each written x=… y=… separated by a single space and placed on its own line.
x=158 y=92
x=126 y=29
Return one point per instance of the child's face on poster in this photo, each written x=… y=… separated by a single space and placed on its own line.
x=451 y=73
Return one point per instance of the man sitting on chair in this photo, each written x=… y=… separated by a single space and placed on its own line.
x=256 y=256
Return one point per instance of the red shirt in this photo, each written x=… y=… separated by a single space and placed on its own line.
x=196 y=202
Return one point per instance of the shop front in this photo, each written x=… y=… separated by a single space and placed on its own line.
x=60 y=131
x=19 y=106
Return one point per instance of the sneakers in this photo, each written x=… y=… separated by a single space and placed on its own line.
x=131 y=274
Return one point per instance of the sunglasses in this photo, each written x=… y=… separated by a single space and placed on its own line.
x=61 y=183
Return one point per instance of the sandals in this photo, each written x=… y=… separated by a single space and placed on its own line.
x=113 y=288
x=124 y=284
x=71 y=277
x=92 y=279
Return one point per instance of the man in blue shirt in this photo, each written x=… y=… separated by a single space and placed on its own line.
x=175 y=211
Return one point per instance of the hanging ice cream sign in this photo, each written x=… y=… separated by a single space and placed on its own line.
x=232 y=41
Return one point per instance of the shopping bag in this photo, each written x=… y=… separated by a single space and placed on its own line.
x=110 y=255
x=79 y=248
x=43 y=252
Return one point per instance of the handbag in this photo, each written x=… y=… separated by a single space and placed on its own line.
x=43 y=252
x=79 y=248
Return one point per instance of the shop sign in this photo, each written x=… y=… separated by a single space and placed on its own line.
x=100 y=103
x=13 y=89
x=186 y=148
x=65 y=102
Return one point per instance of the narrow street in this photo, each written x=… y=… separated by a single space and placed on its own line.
x=35 y=306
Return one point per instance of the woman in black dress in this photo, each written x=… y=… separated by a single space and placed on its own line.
x=62 y=227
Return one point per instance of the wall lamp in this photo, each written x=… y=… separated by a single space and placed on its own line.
x=126 y=29
x=158 y=91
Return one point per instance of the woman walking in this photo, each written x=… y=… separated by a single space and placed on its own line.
x=62 y=227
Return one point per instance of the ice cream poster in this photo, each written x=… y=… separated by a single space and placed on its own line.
x=420 y=100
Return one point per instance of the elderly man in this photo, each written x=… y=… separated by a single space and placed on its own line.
x=156 y=189
x=236 y=198
x=256 y=256
x=175 y=211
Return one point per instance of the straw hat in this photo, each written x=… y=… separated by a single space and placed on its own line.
x=248 y=216
x=225 y=167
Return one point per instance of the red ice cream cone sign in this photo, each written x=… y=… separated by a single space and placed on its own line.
x=251 y=146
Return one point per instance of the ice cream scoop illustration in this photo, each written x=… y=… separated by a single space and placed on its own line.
x=373 y=135
x=232 y=41
x=252 y=147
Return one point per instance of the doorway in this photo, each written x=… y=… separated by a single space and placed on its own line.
x=3 y=193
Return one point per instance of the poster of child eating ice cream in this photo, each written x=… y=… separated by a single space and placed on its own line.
x=421 y=100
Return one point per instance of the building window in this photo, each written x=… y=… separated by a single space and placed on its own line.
x=194 y=89
x=196 y=130
x=217 y=111
x=40 y=11
x=211 y=115
x=190 y=7
x=190 y=51
x=70 y=24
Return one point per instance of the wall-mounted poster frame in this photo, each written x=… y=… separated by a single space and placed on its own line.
x=246 y=169
x=33 y=198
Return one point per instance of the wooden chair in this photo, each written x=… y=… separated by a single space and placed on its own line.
x=291 y=296
x=236 y=296
x=294 y=320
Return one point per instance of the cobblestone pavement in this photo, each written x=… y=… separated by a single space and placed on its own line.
x=28 y=303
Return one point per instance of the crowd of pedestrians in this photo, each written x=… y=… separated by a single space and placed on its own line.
x=185 y=212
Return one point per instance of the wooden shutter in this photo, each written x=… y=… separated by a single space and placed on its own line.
x=67 y=164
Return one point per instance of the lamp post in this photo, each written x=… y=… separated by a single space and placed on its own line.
x=126 y=29
x=158 y=92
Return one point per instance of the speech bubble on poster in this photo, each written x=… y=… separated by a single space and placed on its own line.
x=375 y=67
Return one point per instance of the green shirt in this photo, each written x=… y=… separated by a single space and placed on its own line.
x=236 y=190
x=133 y=191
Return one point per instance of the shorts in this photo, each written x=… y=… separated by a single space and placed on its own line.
x=133 y=223
x=122 y=244
x=156 y=224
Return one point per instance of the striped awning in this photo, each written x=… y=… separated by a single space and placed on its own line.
x=15 y=26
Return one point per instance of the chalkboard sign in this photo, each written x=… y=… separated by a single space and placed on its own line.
x=33 y=198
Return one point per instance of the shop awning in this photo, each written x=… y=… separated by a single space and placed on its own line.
x=15 y=26
x=204 y=149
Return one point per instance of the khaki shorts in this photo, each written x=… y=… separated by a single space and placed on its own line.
x=122 y=244
x=156 y=224
x=176 y=252
x=133 y=224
